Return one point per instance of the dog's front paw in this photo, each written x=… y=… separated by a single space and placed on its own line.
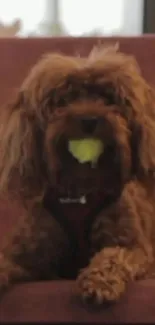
x=96 y=286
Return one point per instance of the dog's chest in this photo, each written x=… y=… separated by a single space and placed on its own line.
x=76 y=216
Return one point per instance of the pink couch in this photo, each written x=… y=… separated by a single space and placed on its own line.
x=56 y=301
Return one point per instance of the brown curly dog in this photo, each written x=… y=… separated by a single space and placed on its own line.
x=94 y=223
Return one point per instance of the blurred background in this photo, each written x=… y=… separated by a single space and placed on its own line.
x=49 y=18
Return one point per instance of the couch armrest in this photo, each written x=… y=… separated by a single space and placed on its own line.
x=56 y=302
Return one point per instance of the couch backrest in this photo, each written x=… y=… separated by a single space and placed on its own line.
x=18 y=55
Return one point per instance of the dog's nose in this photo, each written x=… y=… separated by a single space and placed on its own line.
x=89 y=124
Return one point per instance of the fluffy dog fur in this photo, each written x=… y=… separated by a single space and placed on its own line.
x=56 y=103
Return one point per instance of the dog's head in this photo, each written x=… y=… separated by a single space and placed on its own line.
x=63 y=98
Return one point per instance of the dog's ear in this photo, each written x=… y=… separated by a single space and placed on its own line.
x=19 y=154
x=143 y=135
x=120 y=74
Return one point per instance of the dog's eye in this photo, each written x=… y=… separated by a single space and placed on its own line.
x=112 y=98
x=109 y=99
x=61 y=102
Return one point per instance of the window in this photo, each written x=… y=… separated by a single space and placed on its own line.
x=103 y=16
x=31 y=12
x=77 y=17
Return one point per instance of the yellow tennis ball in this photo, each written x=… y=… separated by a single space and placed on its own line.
x=86 y=150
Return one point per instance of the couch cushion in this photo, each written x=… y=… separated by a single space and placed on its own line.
x=56 y=301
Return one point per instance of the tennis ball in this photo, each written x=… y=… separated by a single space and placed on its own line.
x=86 y=150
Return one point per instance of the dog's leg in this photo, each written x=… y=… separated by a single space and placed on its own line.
x=122 y=237
x=34 y=250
